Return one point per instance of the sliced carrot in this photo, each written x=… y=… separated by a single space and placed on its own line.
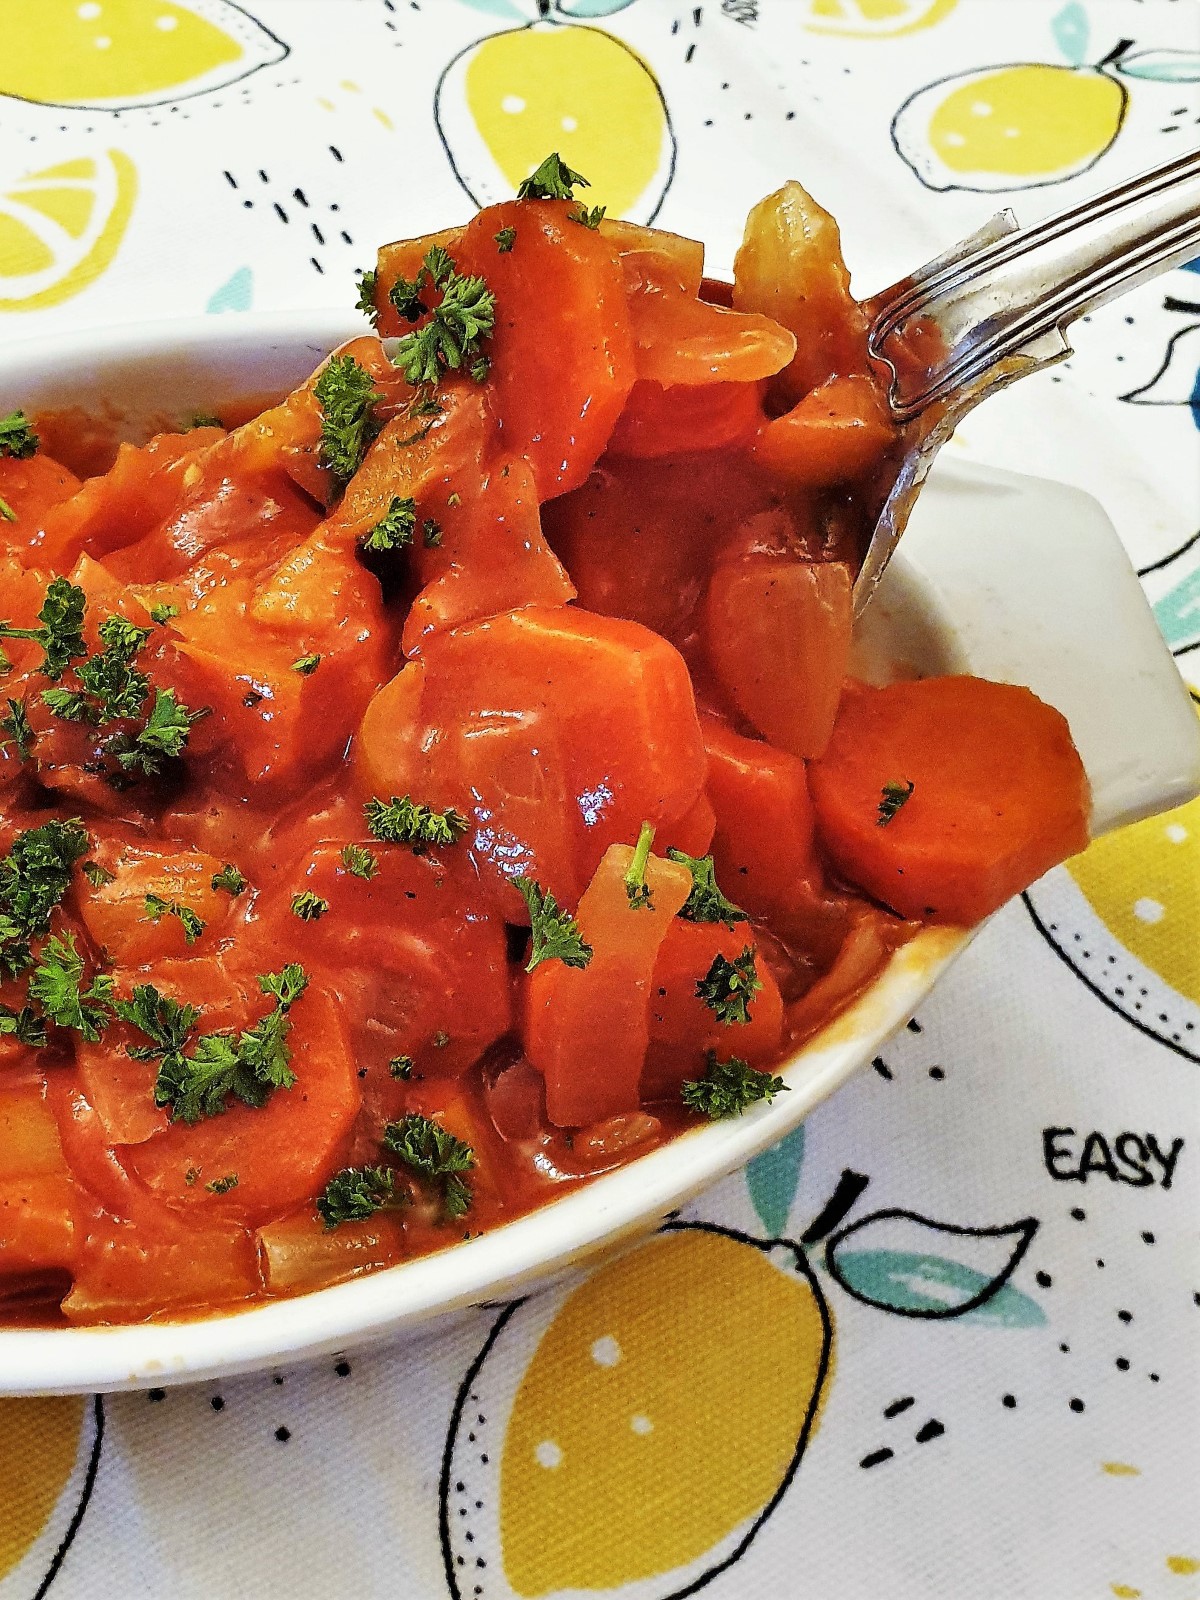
x=764 y=824
x=404 y=259
x=29 y=1141
x=660 y=421
x=777 y=632
x=587 y=1029
x=119 y=913
x=29 y=488
x=38 y=1229
x=838 y=431
x=999 y=794
x=683 y=1027
x=127 y=1273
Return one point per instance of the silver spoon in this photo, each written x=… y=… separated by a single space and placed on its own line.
x=996 y=306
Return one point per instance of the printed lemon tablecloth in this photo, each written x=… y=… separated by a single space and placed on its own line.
x=979 y=1375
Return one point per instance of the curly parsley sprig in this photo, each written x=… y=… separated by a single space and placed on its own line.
x=435 y=1155
x=556 y=935
x=17 y=436
x=347 y=396
x=403 y=820
x=552 y=180
x=728 y=987
x=728 y=1087
x=705 y=902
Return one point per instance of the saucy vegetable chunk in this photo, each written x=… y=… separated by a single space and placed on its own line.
x=447 y=785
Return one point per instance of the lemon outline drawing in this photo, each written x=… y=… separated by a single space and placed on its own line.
x=1035 y=89
x=477 y=187
x=458 y=1486
x=259 y=47
x=30 y=205
x=89 y=1446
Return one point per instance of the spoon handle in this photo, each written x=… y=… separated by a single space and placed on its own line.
x=1009 y=292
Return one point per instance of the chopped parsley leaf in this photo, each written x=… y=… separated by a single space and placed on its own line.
x=6 y=511
x=556 y=935
x=359 y=861
x=450 y=339
x=347 y=396
x=25 y=1026
x=17 y=437
x=728 y=1087
x=229 y=879
x=309 y=906
x=34 y=877
x=636 y=887
x=434 y=1154
x=192 y=924
x=18 y=728
x=892 y=797
x=505 y=240
x=97 y=875
x=431 y=533
x=61 y=633
x=405 y=295
x=306 y=665
x=367 y=284
x=728 y=986
x=705 y=903
x=356 y=1193
x=588 y=219
x=163 y=612
x=56 y=986
x=222 y=1185
x=553 y=180
x=395 y=528
x=402 y=820
x=164 y=737
x=401 y=1067
x=205 y=419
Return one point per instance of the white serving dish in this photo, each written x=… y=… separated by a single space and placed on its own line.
x=1005 y=576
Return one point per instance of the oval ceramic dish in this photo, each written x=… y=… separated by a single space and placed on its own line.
x=1007 y=577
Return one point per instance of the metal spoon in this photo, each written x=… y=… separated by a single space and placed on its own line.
x=995 y=307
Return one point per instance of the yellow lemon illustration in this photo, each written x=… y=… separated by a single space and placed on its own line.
x=1124 y=915
x=875 y=19
x=116 y=53
x=44 y=1449
x=508 y=100
x=1010 y=127
x=653 y=1428
x=61 y=227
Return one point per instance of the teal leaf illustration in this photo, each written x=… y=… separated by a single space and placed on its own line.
x=1071 y=32
x=1178 y=612
x=916 y=1267
x=591 y=8
x=1161 y=66
x=772 y=1179
x=503 y=8
x=235 y=294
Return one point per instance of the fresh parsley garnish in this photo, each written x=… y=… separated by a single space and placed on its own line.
x=347 y=396
x=249 y=1065
x=25 y=1026
x=588 y=219
x=309 y=906
x=97 y=875
x=450 y=339
x=556 y=935
x=356 y=1193
x=636 y=887
x=435 y=1155
x=365 y=303
x=892 y=797
x=401 y=1067
x=6 y=511
x=205 y=419
x=505 y=240
x=728 y=986
x=56 y=985
x=163 y=611
x=395 y=528
x=553 y=180
x=110 y=686
x=192 y=924
x=431 y=533
x=229 y=879
x=223 y=1185
x=34 y=877
x=359 y=861
x=405 y=295
x=17 y=437
x=402 y=820
x=61 y=633
x=164 y=737
x=18 y=728
x=306 y=665
x=705 y=902
x=728 y=1087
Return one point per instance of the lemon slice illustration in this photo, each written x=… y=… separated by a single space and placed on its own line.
x=875 y=19
x=1015 y=126
x=1124 y=915
x=591 y=1452
x=60 y=228
x=506 y=100
x=112 y=54
x=49 y=1450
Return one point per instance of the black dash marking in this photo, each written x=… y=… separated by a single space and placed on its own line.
x=317 y=234
x=1078 y=1213
x=691 y=51
x=933 y=1429
x=882 y=1068
x=230 y=180
x=263 y=175
x=336 y=153
x=283 y=1434
x=1044 y=1279
x=914 y=1026
x=897 y=1406
x=1147 y=1238
x=876 y=1457
x=300 y=197
x=849 y=1186
x=1124 y=1316
x=280 y=212
x=937 y=1073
